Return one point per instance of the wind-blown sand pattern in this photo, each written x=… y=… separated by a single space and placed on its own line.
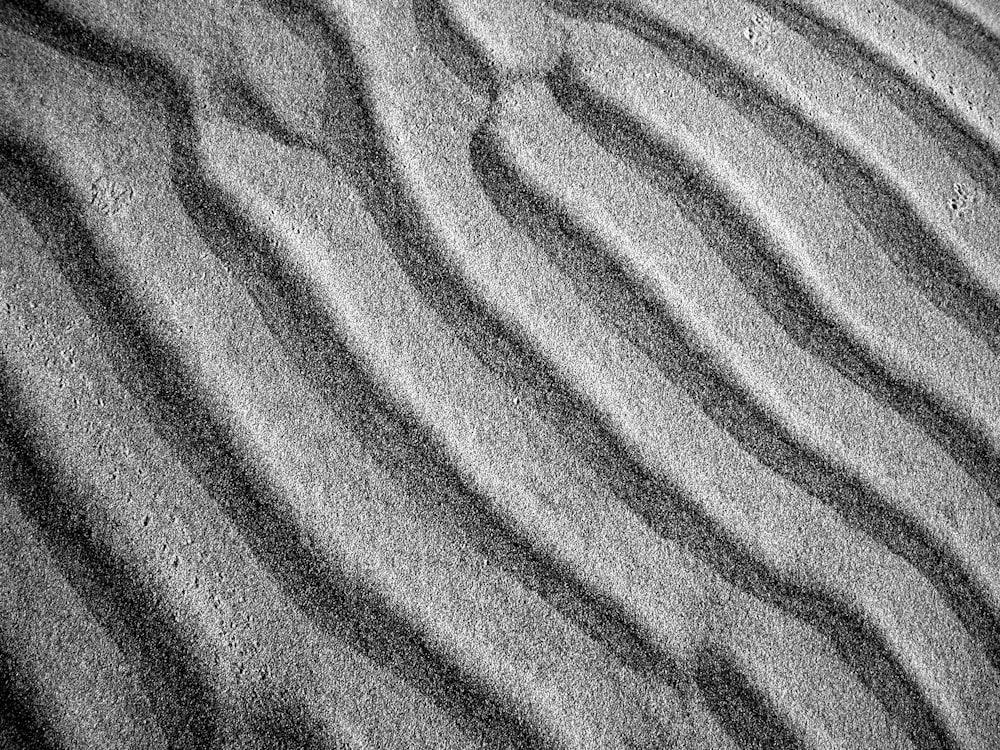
x=525 y=374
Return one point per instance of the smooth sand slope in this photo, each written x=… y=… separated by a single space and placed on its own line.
x=530 y=374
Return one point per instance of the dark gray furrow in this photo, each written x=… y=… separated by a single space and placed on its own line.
x=398 y=442
x=741 y=242
x=23 y=725
x=163 y=384
x=279 y=720
x=872 y=67
x=182 y=417
x=463 y=56
x=860 y=644
x=915 y=248
x=625 y=305
x=285 y=726
x=746 y=713
x=129 y=611
x=239 y=103
x=962 y=27
x=674 y=517
x=157 y=376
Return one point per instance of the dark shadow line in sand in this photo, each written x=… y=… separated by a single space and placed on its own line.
x=736 y=414
x=456 y=48
x=746 y=713
x=876 y=70
x=22 y=720
x=160 y=380
x=962 y=27
x=129 y=611
x=673 y=518
x=861 y=646
x=913 y=246
x=626 y=305
x=741 y=242
x=396 y=439
x=678 y=519
x=285 y=723
x=157 y=376
x=402 y=446
x=237 y=100
x=155 y=363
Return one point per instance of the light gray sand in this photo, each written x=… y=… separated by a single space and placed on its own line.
x=535 y=374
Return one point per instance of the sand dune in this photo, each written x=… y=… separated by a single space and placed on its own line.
x=536 y=374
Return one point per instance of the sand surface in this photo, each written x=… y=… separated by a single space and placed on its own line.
x=541 y=374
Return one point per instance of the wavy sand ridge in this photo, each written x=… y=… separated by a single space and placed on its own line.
x=448 y=373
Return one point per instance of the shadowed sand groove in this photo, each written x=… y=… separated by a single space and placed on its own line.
x=354 y=615
x=948 y=125
x=206 y=418
x=400 y=444
x=730 y=409
x=183 y=700
x=743 y=248
x=442 y=373
x=904 y=236
x=961 y=25
x=22 y=726
x=744 y=710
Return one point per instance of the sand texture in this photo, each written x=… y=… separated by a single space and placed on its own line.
x=546 y=374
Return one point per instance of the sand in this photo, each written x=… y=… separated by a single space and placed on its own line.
x=530 y=374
